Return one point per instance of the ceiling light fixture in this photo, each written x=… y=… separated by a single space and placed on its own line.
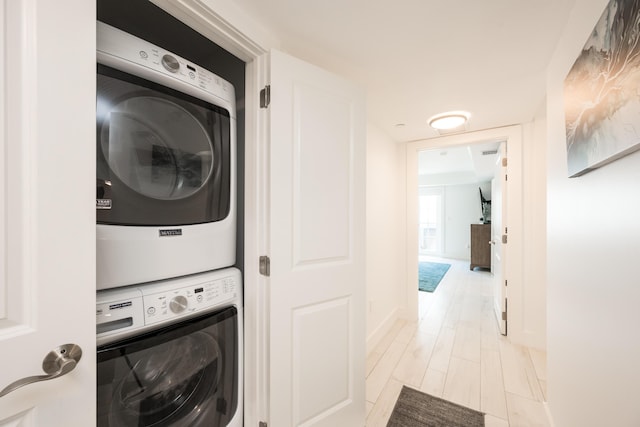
x=450 y=120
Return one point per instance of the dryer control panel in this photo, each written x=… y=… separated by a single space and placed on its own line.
x=121 y=312
x=124 y=51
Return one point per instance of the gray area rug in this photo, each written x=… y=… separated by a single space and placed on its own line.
x=416 y=409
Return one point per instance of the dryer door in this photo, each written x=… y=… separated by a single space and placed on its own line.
x=186 y=374
x=163 y=157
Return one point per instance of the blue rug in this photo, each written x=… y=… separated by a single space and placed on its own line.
x=430 y=274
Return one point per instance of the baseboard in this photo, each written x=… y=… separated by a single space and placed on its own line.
x=385 y=326
x=529 y=339
x=403 y=314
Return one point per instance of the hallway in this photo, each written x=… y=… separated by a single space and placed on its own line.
x=455 y=352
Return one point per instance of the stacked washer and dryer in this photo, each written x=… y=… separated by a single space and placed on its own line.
x=169 y=302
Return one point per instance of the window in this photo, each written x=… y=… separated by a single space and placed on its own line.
x=431 y=206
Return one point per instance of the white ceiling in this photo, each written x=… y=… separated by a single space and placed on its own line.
x=418 y=58
x=458 y=165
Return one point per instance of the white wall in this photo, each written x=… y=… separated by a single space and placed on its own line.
x=386 y=213
x=593 y=249
x=461 y=208
x=534 y=290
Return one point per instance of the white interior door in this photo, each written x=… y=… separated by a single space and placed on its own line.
x=317 y=236
x=47 y=218
x=498 y=230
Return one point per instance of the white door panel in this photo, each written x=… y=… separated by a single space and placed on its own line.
x=322 y=144
x=317 y=189
x=47 y=223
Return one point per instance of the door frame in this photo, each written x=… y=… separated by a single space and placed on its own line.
x=498 y=189
x=513 y=135
x=230 y=28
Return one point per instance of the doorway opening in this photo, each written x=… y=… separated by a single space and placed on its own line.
x=441 y=149
x=454 y=184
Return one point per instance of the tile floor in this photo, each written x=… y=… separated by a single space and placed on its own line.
x=455 y=352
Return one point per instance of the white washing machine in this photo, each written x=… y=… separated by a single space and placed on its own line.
x=166 y=164
x=170 y=352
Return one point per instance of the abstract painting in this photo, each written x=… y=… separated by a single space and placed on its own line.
x=602 y=91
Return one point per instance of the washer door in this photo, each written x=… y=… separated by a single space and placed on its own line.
x=167 y=383
x=184 y=375
x=163 y=157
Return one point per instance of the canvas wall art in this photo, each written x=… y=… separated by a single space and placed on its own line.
x=602 y=91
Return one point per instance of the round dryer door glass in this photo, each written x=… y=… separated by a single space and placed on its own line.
x=157 y=148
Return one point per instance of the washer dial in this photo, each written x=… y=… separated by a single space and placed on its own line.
x=178 y=304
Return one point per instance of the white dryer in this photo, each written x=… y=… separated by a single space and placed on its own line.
x=166 y=164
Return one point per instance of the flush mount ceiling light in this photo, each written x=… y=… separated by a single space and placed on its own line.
x=450 y=120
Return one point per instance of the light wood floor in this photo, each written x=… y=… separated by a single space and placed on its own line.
x=455 y=352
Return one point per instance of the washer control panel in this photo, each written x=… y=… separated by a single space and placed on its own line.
x=161 y=305
x=122 y=312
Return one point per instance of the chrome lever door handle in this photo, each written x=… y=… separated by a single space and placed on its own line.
x=56 y=363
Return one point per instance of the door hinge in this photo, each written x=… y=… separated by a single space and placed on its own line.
x=262 y=424
x=504 y=162
x=265 y=266
x=505 y=283
x=504 y=313
x=504 y=239
x=265 y=97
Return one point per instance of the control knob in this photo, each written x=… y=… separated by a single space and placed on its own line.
x=170 y=63
x=178 y=304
